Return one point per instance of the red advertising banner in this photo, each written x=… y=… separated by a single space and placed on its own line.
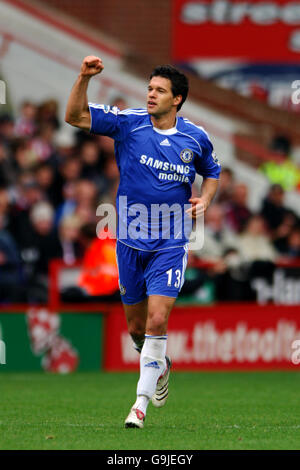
x=231 y=336
x=253 y=30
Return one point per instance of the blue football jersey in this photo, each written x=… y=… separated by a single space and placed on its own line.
x=157 y=169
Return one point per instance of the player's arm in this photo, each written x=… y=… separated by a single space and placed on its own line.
x=209 y=168
x=77 y=112
x=200 y=204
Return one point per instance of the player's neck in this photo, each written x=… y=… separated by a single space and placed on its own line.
x=164 y=122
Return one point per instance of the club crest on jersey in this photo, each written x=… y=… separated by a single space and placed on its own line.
x=186 y=155
x=122 y=289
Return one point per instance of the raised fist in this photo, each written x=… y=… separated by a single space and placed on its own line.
x=91 y=65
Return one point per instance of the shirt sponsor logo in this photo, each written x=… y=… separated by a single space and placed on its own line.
x=173 y=177
x=165 y=166
x=179 y=172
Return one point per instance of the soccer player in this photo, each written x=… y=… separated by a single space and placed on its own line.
x=158 y=155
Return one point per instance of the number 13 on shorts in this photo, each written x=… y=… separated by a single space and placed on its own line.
x=177 y=274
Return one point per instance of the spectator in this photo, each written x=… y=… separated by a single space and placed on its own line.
x=274 y=212
x=224 y=193
x=99 y=274
x=112 y=177
x=86 y=194
x=47 y=113
x=81 y=200
x=41 y=146
x=280 y=169
x=290 y=248
x=38 y=245
x=4 y=207
x=284 y=172
x=26 y=193
x=92 y=165
x=69 y=231
x=68 y=204
x=7 y=171
x=98 y=280
x=281 y=234
x=26 y=123
x=45 y=177
x=11 y=289
x=23 y=156
x=254 y=244
x=217 y=236
x=237 y=212
x=64 y=142
x=69 y=171
x=7 y=126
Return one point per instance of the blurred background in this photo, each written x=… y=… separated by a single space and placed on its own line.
x=59 y=295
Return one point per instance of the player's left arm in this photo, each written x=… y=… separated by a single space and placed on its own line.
x=208 y=166
x=200 y=204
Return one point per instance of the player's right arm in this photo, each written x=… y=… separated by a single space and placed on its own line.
x=77 y=112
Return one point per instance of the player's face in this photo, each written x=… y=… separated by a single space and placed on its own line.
x=160 y=99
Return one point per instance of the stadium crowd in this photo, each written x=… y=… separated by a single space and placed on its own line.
x=49 y=193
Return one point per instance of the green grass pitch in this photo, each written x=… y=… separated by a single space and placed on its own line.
x=205 y=410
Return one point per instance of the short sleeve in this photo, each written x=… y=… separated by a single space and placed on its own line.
x=207 y=164
x=106 y=120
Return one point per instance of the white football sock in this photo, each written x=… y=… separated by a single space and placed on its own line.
x=152 y=364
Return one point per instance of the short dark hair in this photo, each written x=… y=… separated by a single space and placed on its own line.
x=180 y=84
